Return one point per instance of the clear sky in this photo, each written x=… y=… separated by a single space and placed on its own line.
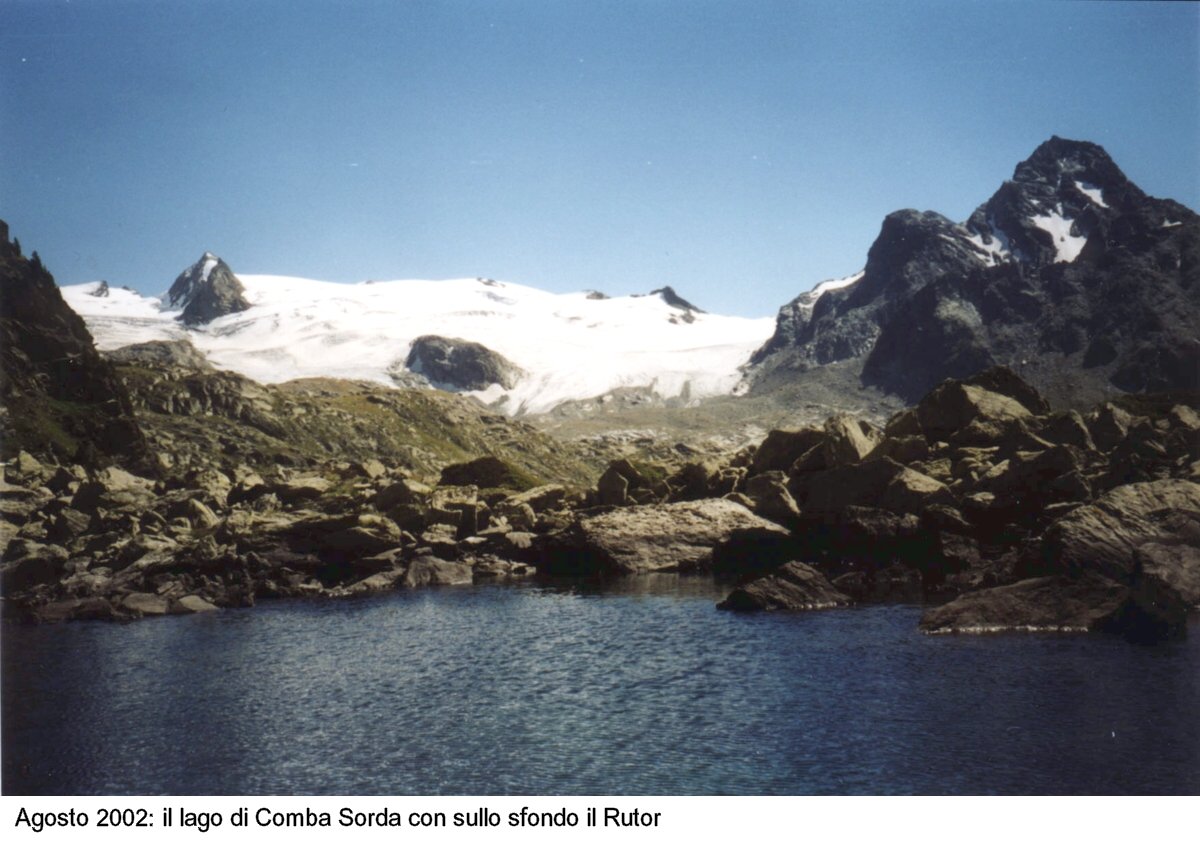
x=740 y=151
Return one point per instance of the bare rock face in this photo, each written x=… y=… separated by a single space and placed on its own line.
x=793 y=587
x=649 y=538
x=459 y=365
x=207 y=290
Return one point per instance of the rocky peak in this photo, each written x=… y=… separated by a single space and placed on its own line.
x=1057 y=199
x=913 y=247
x=1058 y=159
x=207 y=290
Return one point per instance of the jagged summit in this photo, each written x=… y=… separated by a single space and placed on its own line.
x=205 y=291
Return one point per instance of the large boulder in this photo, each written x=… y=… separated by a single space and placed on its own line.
x=780 y=449
x=292 y=491
x=848 y=440
x=1149 y=527
x=793 y=587
x=1146 y=612
x=115 y=489
x=877 y=483
x=425 y=570
x=769 y=493
x=648 y=538
x=953 y=405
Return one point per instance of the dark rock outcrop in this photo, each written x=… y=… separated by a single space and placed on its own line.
x=207 y=290
x=458 y=365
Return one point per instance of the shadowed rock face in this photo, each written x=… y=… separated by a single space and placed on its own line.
x=207 y=290
x=456 y=364
x=60 y=397
x=1069 y=273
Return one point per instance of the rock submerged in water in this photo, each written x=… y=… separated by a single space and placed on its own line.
x=793 y=587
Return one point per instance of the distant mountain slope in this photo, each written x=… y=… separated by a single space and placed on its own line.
x=555 y=347
x=1070 y=274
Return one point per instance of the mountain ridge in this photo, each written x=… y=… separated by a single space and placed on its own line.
x=1069 y=268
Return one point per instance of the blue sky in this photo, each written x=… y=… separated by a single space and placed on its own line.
x=738 y=151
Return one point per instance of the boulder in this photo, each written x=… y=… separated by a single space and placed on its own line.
x=902 y=448
x=753 y=550
x=793 y=587
x=442 y=538
x=1144 y=527
x=1109 y=425
x=648 y=538
x=1089 y=602
x=430 y=570
x=191 y=604
x=403 y=492
x=694 y=480
x=518 y=515
x=115 y=489
x=953 y=405
x=28 y=564
x=769 y=493
x=877 y=483
x=612 y=488
x=1067 y=428
x=64 y=610
x=848 y=440
x=145 y=604
x=1001 y=380
x=542 y=498
x=780 y=449
x=292 y=491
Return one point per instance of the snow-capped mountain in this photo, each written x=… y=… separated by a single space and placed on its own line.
x=540 y=348
x=1069 y=273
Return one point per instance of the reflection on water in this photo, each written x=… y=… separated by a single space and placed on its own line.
x=641 y=687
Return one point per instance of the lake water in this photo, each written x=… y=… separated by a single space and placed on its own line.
x=642 y=688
